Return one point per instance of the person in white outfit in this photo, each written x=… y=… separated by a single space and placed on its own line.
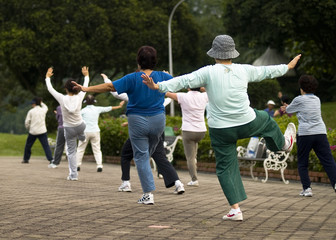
x=35 y=123
x=90 y=116
x=74 y=126
x=193 y=104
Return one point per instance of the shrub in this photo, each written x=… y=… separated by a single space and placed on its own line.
x=314 y=163
x=112 y=135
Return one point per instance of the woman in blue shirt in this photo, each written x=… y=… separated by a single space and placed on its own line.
x=145 y=112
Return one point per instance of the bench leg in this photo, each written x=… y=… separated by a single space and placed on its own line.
x=266 y=172
x=283 y=176
x=251 y=171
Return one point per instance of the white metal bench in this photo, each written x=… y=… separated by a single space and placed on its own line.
x=274 y=161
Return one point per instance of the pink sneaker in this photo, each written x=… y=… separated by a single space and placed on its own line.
x=234 y=217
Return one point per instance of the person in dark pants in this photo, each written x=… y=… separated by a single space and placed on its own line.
x=312 y=133
x=164 y=166
x=60 y=140
x=35 y=123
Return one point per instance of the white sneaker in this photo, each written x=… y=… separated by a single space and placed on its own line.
x=71 y=178
x=233 y=216
x=289 y=135
x=307 y=192
x=147 y=198
x=125 y=187
x=51 y=165
x=193 y=183
x=179 y=188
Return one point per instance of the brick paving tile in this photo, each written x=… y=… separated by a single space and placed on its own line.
x=39 y=203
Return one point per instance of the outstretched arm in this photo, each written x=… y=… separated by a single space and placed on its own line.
x=172 y=95
x=293 y=63
x=121 y=104
x=100 y=88
x=58 y=96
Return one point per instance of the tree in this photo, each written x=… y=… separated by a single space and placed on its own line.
x=209 y=15
x=293 y=26
x=65 y=34
x=104 y=35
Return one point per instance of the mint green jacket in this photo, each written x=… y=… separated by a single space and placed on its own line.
x=226 y=86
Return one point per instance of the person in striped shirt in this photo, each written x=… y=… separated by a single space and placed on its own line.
x=312 y=133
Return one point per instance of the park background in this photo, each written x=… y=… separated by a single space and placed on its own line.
x=105 y=35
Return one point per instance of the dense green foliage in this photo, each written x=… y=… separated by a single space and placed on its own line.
x=292 y=26
x=103 y=35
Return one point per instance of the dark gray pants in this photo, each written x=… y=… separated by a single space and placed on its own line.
x=59 y=149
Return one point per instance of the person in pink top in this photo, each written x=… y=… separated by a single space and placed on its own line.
x=193 y=105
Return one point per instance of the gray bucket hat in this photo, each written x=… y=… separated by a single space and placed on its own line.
x=223 y=47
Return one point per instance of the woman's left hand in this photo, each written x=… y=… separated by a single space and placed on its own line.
x=149 y=82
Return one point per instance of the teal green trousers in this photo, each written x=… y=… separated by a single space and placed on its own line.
x=224 y=144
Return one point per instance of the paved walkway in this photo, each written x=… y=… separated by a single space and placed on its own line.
x=38 y=203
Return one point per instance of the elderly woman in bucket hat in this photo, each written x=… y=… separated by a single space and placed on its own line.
x=230 y=116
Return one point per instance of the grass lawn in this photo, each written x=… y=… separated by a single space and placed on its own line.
x=13 y=145
x=329 y=114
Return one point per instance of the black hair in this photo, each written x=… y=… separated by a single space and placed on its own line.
x=285 y=99
x=70 y=86
x=195 y=89
x=37 y=101
x=90 y=99
x=146 y=57
x=308 y=83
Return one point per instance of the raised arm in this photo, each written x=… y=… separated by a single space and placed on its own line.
x=58 y=96
x=85 y=72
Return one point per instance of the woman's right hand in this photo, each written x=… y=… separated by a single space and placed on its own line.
x=78 y=86
x=85 y=71
x=49 y=72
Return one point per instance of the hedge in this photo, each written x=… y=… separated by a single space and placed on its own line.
x=113 y=136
